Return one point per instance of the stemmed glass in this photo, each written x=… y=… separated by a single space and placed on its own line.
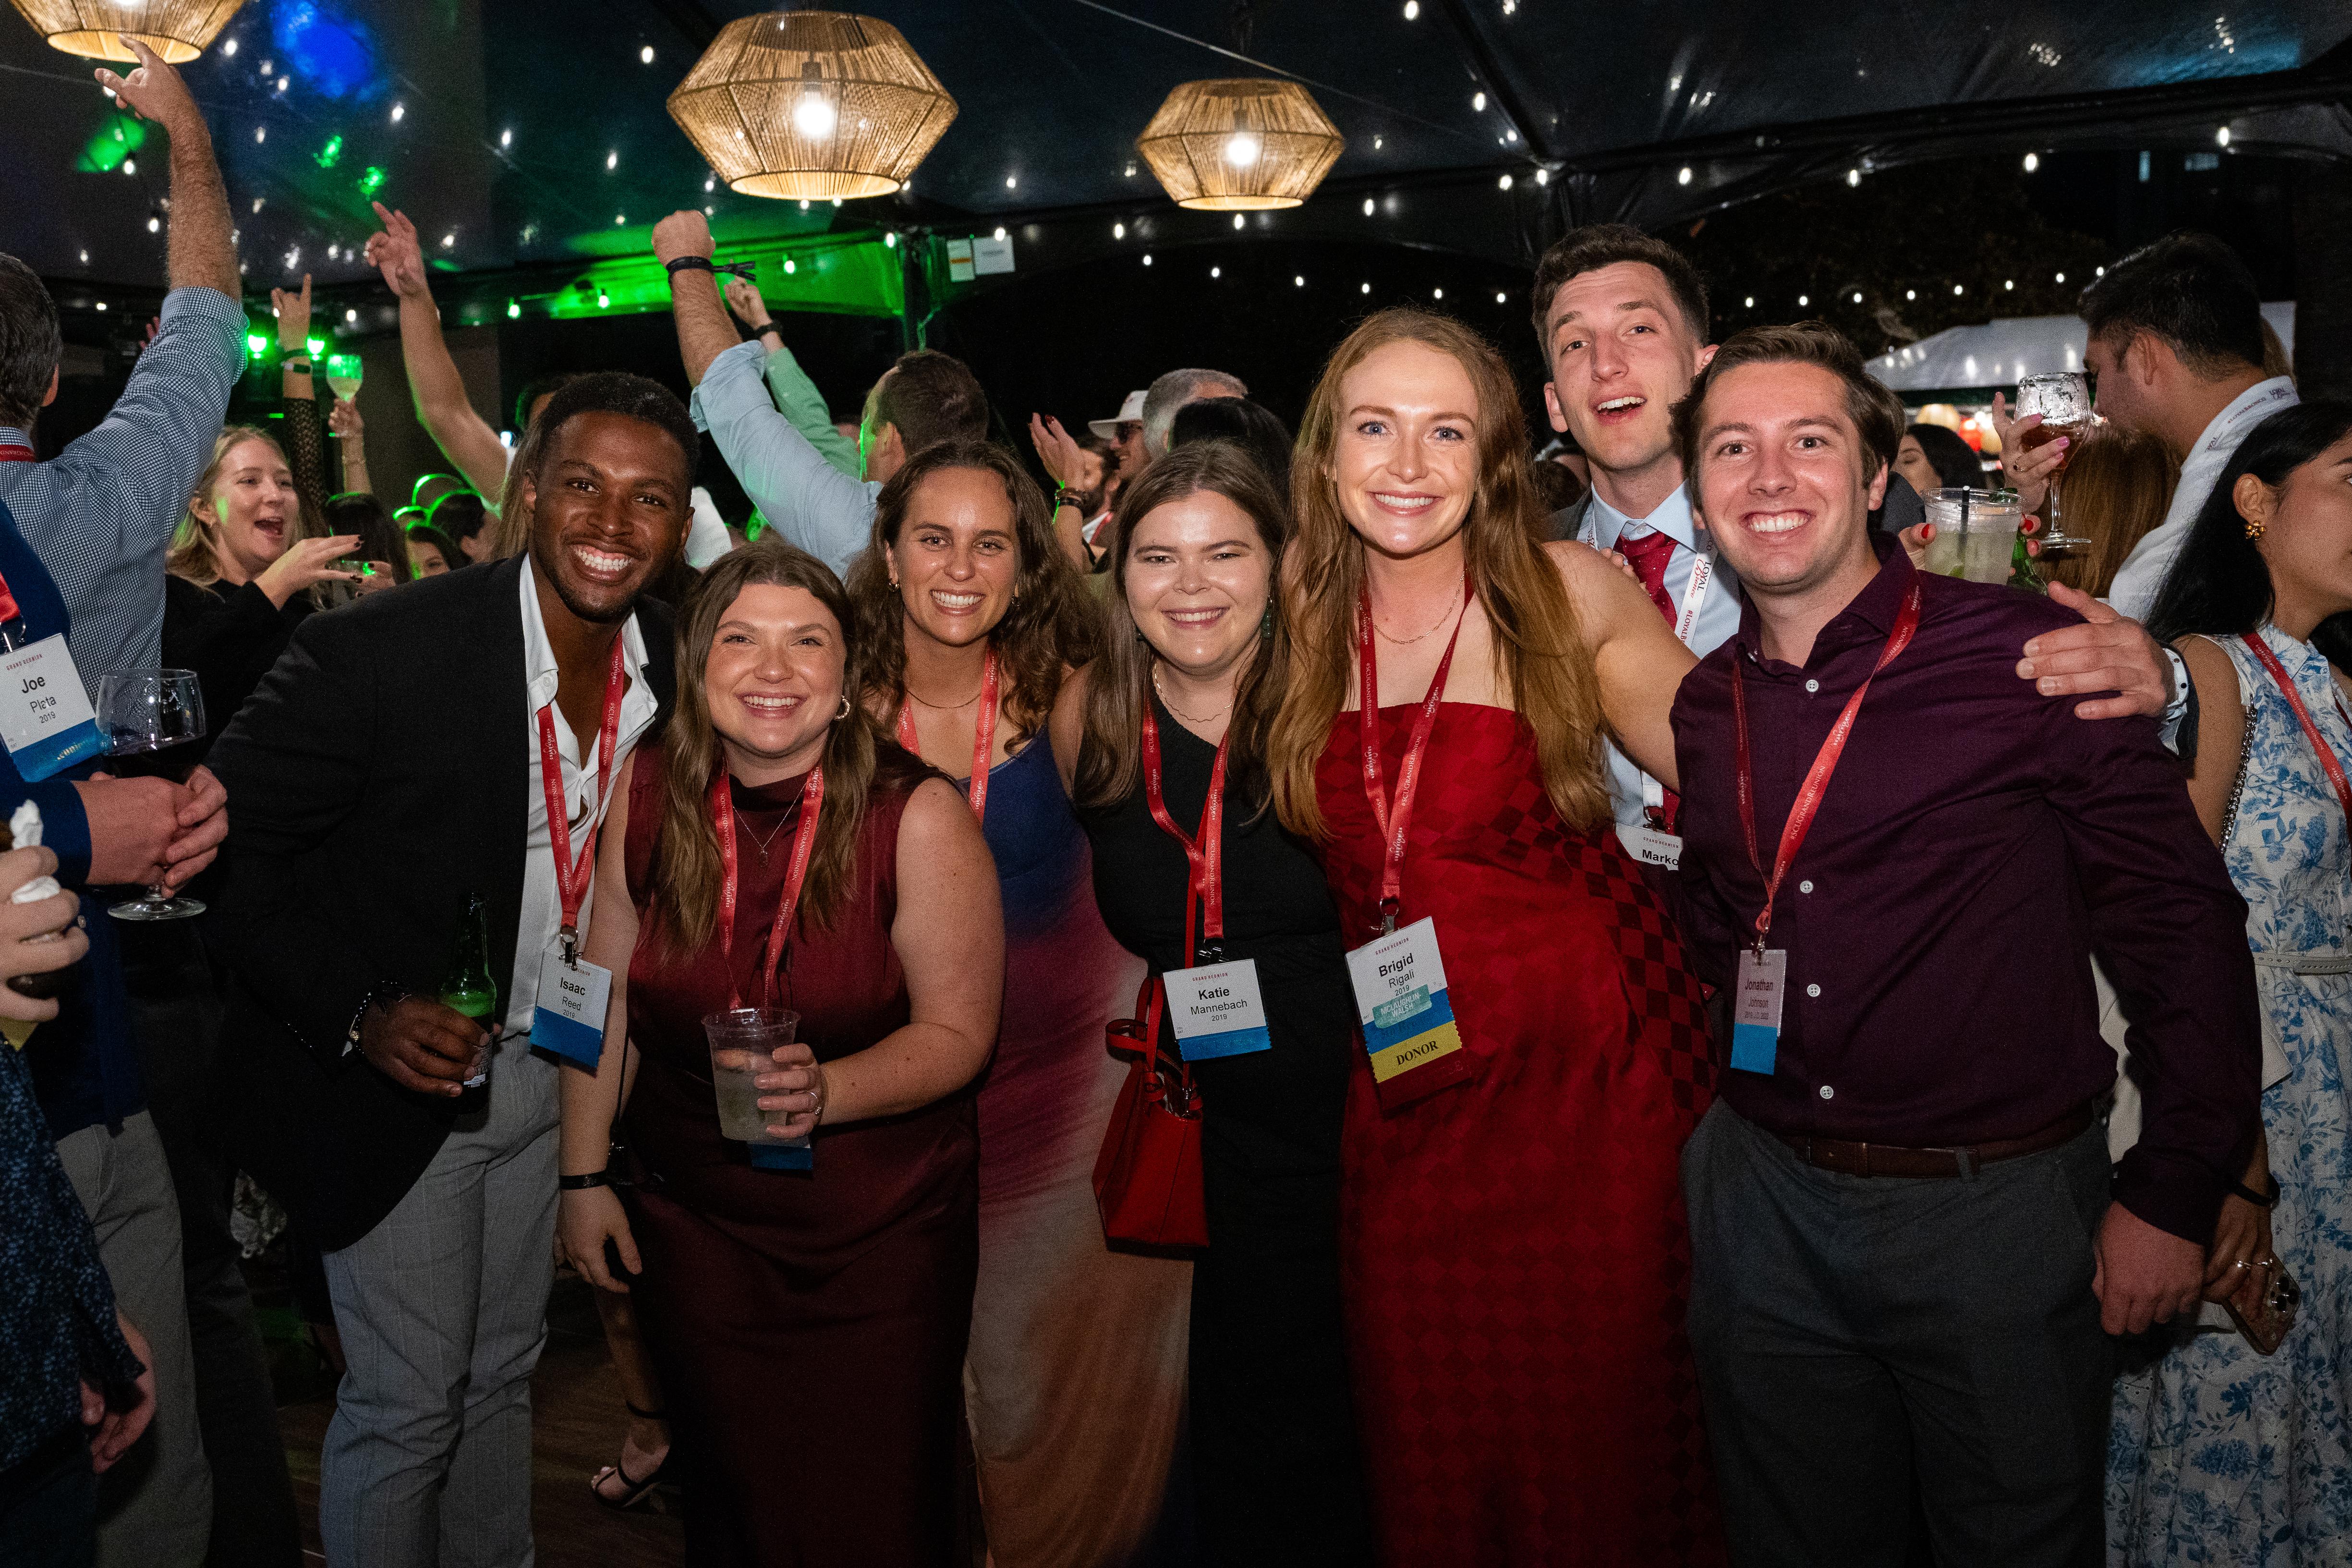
x=345 y=374
x=2062 y=398
x=143 y=713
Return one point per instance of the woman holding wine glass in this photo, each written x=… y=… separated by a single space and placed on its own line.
x=969 y=621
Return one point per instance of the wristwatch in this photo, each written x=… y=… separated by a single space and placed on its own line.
x=302 y=364
x=382 y=994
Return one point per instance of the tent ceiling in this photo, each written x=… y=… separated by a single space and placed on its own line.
x=1614 y=101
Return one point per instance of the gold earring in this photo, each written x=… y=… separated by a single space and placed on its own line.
x=2254 y=529
x=844 y=707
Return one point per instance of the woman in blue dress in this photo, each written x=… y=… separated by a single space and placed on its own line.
x=2219 y=1454
x=970 y=620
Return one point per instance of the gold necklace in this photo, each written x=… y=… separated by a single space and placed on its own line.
x=1161 y=693
x=1401 y=642
x=942 y=707
x=762 y=844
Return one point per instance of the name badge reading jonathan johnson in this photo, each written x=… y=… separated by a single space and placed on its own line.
x=1649 y=845
x=1216 y=1011
x=1402 y=1000
x=45 y=714
x=569 y=1017
x=1756 y=1009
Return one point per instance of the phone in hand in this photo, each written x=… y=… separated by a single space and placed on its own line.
x=2265 y=1307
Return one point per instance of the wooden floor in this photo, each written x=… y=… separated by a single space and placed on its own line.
x=576 y=1420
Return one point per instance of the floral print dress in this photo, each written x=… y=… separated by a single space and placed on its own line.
x=2218 y=1455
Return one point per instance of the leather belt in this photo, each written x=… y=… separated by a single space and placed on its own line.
x=1893 y=1160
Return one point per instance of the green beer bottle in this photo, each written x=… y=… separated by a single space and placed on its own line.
x=467 y=986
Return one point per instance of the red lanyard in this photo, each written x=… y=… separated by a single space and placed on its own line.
x=1817 y=779
x=722 y=814
x=572 y=877
x=11 y=453
x=983 y=736
x=1395 y=820
x=2333 y=769
x=1205 y=853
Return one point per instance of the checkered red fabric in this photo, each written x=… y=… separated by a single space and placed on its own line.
x=1517 y=1260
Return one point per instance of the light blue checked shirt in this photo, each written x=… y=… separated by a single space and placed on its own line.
x=102 y=513
x=804 y=498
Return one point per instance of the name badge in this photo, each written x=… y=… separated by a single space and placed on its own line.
x=1402 y=1001
x=1756 y=1009
x=569 y=1017
x=45 y=715
x=1652 y=846
x=1215 y=1010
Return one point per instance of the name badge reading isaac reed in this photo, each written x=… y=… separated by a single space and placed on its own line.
x=1401 y=998
x=569 y=1017
x=1216 y=1011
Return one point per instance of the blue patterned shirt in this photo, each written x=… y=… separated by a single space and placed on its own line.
x=102 y=513
x=57 y=1306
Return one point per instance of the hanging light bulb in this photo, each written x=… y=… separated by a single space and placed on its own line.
x=1242 y=149
x=814 y=115
x=1239 y=144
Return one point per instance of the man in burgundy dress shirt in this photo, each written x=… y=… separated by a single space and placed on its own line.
x=1905 y=1236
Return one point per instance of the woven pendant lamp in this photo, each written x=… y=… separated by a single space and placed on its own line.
x=176 y=29
x=811 y=104
x=1240 y=144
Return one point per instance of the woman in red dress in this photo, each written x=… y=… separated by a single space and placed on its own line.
x=808 y=1325
x=1513 y=1241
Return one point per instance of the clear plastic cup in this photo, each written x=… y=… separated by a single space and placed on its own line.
x=1977 y=534
x=743 y=1041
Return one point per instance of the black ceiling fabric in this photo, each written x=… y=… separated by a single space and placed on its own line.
x=531 y=135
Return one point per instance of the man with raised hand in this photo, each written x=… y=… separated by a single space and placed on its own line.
x=416 y=1149
x=926 y=397
x=1906 y=1236
x=1622 y=321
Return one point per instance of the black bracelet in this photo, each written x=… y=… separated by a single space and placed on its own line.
x=302 y=364
x=2240 y=1189
x=577 y=1183
x=764 y=328
x=1065 y=497
x=681 y=263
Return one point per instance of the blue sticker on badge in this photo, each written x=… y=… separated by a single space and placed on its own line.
x=567 y=1037
x=779 y=1157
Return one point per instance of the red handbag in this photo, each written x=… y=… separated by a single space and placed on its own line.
x=1148 y=1176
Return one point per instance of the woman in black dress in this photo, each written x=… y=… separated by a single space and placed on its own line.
x=1195 y=652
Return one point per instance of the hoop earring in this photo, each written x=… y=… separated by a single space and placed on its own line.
x=844 y=707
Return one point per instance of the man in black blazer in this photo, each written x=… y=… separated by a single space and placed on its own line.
x=390 y=768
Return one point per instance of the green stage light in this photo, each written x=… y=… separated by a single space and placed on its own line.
x=370 y=182
x=116 y=140
x=256 y=344
x=332 y=151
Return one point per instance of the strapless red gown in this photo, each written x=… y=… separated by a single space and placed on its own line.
x=1515 y=1253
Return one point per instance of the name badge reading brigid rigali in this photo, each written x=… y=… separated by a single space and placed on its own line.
x=1402 y=1000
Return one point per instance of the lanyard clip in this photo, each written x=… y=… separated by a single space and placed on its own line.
x=1210 y=952
x=570 y=937
x=1387 y=916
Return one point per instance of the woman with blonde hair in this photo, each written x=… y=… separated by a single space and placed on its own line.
x=776 y=850
x=1513 y=1243
x=2118 y=487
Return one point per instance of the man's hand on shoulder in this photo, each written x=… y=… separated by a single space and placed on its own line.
x=2107 y=652
x=2144 y=1275
x=423 y=1044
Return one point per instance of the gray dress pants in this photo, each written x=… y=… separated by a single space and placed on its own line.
x=443 y=1309
x=156 y=1506
x=1857 y=1336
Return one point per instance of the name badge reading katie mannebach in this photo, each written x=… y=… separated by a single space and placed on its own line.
x=1402 y=1001
x=45 y=715
x=569 y=1017
x=1215 y=1010
x=1756 y=1009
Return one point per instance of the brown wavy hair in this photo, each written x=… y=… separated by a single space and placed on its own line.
x=858 y=759
x=195 y=553
x=1539 y=652
x=1119 y=688
x=1051 y=626
x=2118 y=485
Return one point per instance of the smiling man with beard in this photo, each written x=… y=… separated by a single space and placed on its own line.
x=393 y=761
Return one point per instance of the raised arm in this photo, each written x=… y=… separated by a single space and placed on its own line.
x=202 y=255
x=704 y=332
x=464 y=436
x=794 y=393
x=1640 y=664
x=591 y=1101
x=949 y=939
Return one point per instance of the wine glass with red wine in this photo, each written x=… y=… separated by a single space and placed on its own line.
x=150 y=718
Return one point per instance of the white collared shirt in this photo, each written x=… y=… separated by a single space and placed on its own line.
x=2141 y=576
x=542 y=910
x=1719 y=616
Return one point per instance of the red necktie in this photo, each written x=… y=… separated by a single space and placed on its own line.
x=1649 y=555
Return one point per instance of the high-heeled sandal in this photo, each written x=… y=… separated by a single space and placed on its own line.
x=633 y=1492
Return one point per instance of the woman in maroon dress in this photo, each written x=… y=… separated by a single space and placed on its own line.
x=1513 y=1242
x=808 y=1326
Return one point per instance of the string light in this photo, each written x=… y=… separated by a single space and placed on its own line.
x=2032 y=162
x=513 y=309
x=1685 y=177
x=1368 y=207
x=1478 y=103
x=1367 y=287
x=399 y=111
x=1411 y=9
x=646 y=54
x=1504 y=184
x=1299 y=281
x=1216 y=272
x=1803 y=300
x=1147 y=258
x=613 y=160
x=505 y=138
x=1118 y=231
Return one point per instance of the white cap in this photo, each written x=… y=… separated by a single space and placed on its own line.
x=1129 y=412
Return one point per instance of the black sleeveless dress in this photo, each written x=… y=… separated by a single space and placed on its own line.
x=1277 y=1465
